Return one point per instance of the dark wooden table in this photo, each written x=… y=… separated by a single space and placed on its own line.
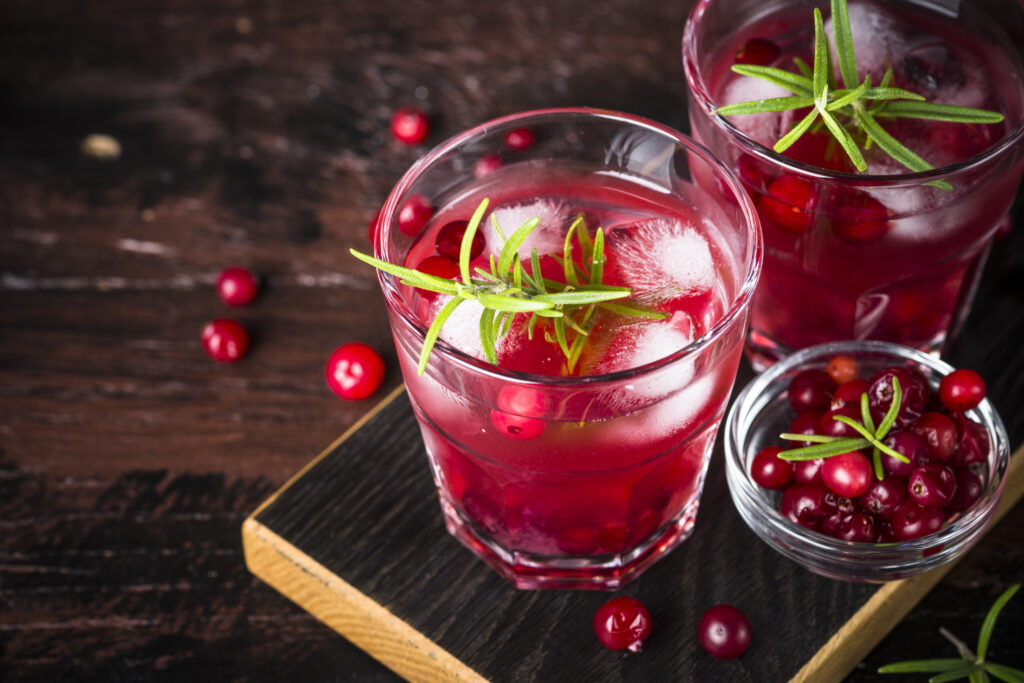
x=256 y=133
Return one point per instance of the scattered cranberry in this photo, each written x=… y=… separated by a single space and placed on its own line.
x=847 y=474
x=911 y=520
x=768 y=471
x=225 y=340
x=449 y=241
x=519 y=139
x=724 y=632
x=758 y=51
x=810 y=390
x=355 y=371
x=932 y=485
x=237 y=286
x=962 y=390
x=842 y=369
x=414 y=214
x=882 y=497
x=622 y=624
x=410 y=125
x=788 y=203
x=939 y=432
x=487 y=164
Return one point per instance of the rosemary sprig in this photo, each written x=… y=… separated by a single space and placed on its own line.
x=507 y=289
x=828 y=446
x=969 y=665
x=850 y=113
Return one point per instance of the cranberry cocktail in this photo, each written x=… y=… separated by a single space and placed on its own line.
x=882 y=251
x=569 y=444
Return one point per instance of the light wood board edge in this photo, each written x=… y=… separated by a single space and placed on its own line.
x=890 y=603
x=353 y=614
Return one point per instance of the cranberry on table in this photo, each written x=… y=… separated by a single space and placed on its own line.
x=939 y=432
x=410 y=125
x=768 y=471
x=622 y=624
x=962 y=390
x=911 y=520
x=932 y=485
x=414 y=214
x=847 y=474
x=724 y=631
x=225 y=340
x=449 y=241
x=758 y=51
x=842 y=369
x=237 y=286
x=355 y=371
x=810 y=390
x=519 y=139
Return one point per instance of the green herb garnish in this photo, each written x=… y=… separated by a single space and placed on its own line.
x=971 y=666
x=828 y=446
x=850 y=113
x=507 y=289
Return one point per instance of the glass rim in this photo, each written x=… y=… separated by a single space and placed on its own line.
x=739 y=302
x=697 y=86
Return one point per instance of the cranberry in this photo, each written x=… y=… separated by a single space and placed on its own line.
x=758 y=51
x=847 y=474
x=833 y=501
x=354 y=371
x=808 y=471
x=830 y=426
x=439 y=266
x=788 y=203
x=449 y=241
x=724 y=631
x=410 y=125
x=969 y=487
x=830 y=523
x=519 y=408
x=885 y=533
x=768 y=471
x=237 y=286
x=849 y=393
x=909 y=445
x=939 y=432
x=914 y=390
x=371 y=228
x=910 y=520
x=810 y=390
x=804 y=504
x=962 y=390
x=862 y=219
x=882 y=497
x=622 y=624
x=857 y=528
x=842 y=369
x=225 y=340
x=805 y=423
x=974 y=443
x=519 y=139
x=932 y=485
x=414 y=214
x=488 y=163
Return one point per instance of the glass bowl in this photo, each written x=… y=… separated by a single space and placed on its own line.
x=761 y=412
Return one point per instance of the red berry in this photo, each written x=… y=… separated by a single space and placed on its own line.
x=371 y=228
x=622 y=624
x=488 y=163
x=842 y=369
x=237 y=286
x=724 y=631
x=758 y=51
x=932 y=485
x=804 y=504
x=808 y=471
x=847 y=474
x=969 y=488
x=909 y=445
x=440 y=267
x=861 y=219
x=882 y=497
x=829 y=426
x=849 y=393
x=225 y=340
x=911 y=520
x=518 y=412
x=858 y=527
x=410 y=125
x=805 y=423
x=768 y=471
x=914 y=390
x=974 y=442
x=939 y=432
x=449 y=241
x=788 y=203
x=519 y=139
x=810 y=390
x=962 y=390
x=355 y=371
x=414 y=214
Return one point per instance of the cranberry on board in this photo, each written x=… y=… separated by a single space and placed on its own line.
x=225 y=340
x=724 y=631
x=788 y=201
x=519 y=139
x=410 y=125
x=237 y=286
x=810 y=389
x=414 y=214
x=962 y=390
x=622 y=624
x=449 y=241
x=847 y=474
x=768 y=471
x=354 y=371
x=758 y=51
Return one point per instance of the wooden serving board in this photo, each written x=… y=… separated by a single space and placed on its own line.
x=357 y=539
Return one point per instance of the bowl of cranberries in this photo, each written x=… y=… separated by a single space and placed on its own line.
x=865 y=460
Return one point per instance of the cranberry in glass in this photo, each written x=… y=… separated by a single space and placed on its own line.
x=768 y=471
x=225 y=340
x=849 y=393
x=808 y=471
x=842 y=369
x=885 y=533
x=354 y=371
x=371 y=228
x=237 y=286
x=910 y=446
x=517 y=412
x=962 y=390
x=758 y=51
x=861 y=219
x=830 y=426
x=449 y=241
x=857 y=528
x=804 y=504
x=810 y=390
x=914 y=390
x=847 y=474
x=883 y=497
x=805 y=423
x=622 y=624
x=974 y=443
x=910 y=520
x=414 y=214
x=519 y=139
x=932 y=485
x=788 y=203
x=488 y=163
x=969 y=487
x=939 y=432
x=440 y=267
x=843 y=504
x=410 y=125
x=724 y=632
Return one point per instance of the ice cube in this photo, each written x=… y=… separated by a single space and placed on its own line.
x=645 y=342
x=765 y=128
x=547 y=238
x=877 y=37
x=660 y=259
x=462 y=329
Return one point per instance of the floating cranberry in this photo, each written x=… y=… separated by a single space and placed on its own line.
x=449 y=241
x=439 y=266
x=861 y=219
x=810 y=390
x=969 y=487
x=519 y=139
x=724 y=631
x=932 y=485
x=487 y=164
x=882 y=497
x=804 y=504
x=849 y=393
x=842 y=369
x=909 y=445
x=354 y=371
x=758 y=51
x=939 y=432
x=768 y=471
x=410 y=125
x=962 y=390
x=808 y=471
x=914 y=390
x=237 y=286
x=622 y=624
x=519 y=408
x=857 y=528
x=225 y=340
x=911 y=520
x=847 y=474
x=974 y=442
x=414 y=214
x=788 y=203
x=829 y=426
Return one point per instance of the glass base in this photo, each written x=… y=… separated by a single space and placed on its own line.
x=594 y=572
